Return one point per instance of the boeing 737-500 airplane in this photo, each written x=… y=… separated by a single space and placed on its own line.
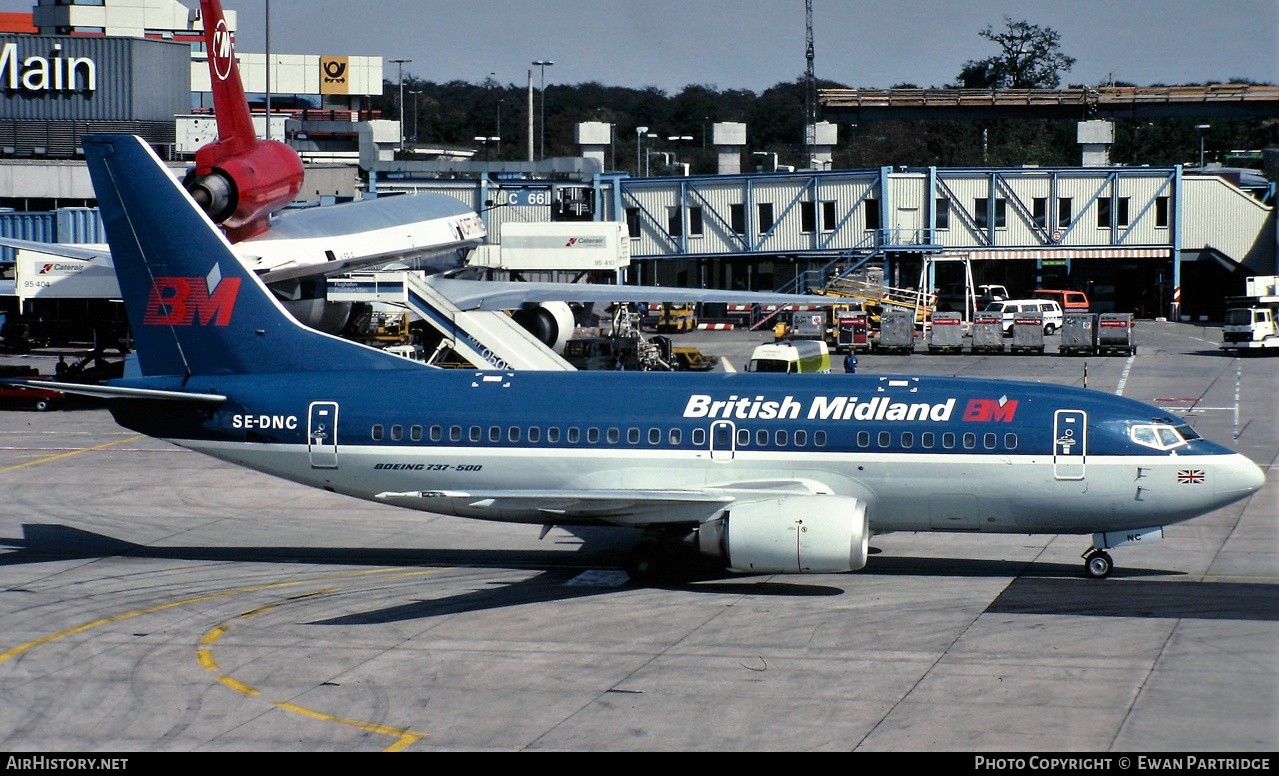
x=771 y=473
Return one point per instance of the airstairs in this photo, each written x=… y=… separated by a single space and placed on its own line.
x=484 y=338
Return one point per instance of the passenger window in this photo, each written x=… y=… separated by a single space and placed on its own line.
x=377 y=433
x=780 y=438
x=654 y=436
x=990 y=440
x=927 y=439
x=397 y=433
x=885 y=439
x=1010 y=441
x=908 y=439
x=761 y=438
x=513 y=434
x=948 y=440
x=801 y=438
x=437 y=433
x=553 y=435
x=632 y=436
x=574 y=435
x=455 y=433
x=819 y=438
x=743 y=437
x=970 y=441
x=863 y=439
x=495 y=433
x=613 y=436
x=675 y=436
x=699 y=436
x=415 y=433
x=474 y=433
x=534 y=435
x=593 y=435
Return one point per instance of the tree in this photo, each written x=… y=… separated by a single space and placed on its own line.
x=1031 y=58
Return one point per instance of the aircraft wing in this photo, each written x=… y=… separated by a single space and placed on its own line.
x=81 y=252
x=619 y=506
x=501 y=295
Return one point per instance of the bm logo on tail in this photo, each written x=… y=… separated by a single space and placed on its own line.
x=206 y=301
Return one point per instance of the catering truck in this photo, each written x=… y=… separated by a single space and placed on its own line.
x=1251 y=319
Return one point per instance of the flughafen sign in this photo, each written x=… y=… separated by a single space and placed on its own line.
x=46 y=74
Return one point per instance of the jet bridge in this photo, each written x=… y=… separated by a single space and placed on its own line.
x=487 y=339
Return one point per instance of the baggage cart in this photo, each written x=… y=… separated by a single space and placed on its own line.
x=1028 y=332
x=988 y=333
x=1078 y=334
x=946 y=334
x=897 y=331
x=1115 y=334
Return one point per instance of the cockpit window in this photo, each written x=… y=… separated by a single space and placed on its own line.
x=1158 y=436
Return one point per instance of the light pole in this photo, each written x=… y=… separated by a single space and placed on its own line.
x=543 y=64
x=486 y=142
x=678 y=139
x=1201 y=128
x=639 y=149
x=401 y=63
x=415 y=93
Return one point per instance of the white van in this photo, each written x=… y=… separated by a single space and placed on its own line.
x=1010 y=307
x=804 y=356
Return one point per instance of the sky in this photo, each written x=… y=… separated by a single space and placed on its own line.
x=755 y=44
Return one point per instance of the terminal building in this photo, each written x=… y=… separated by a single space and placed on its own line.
x=1155 y=241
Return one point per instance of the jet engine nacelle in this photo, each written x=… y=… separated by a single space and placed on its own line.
x=240 y=190
x=790 y=535
x=551 y=322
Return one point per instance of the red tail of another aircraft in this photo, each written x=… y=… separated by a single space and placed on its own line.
x=238 y=180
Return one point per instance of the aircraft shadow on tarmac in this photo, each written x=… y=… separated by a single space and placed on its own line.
x=1036 y=588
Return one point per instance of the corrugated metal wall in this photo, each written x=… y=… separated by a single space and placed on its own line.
x=68 y=225
x=137 y=80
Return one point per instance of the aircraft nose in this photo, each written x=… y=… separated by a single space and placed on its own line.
x=1239 y=477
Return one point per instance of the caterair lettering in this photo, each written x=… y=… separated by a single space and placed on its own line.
x=191 y=302
x=834 y=408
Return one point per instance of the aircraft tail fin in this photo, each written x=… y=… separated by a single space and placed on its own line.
x=231 y=107
x=194 y=308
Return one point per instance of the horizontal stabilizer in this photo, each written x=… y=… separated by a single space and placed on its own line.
x=119 y=392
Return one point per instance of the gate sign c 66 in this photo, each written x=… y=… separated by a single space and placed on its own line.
x=540 y=197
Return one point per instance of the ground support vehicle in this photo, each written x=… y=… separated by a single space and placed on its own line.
x=946 y=335
x=676 y=318
x=799 y=356
x=1252 y=321
x=988 y=333
x=1049 y=310
x=1028 y=332
x=1078 y=334
x=1115 y=334
x=1070 y=301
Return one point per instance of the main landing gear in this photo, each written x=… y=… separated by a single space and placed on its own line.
x=1097 y=563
